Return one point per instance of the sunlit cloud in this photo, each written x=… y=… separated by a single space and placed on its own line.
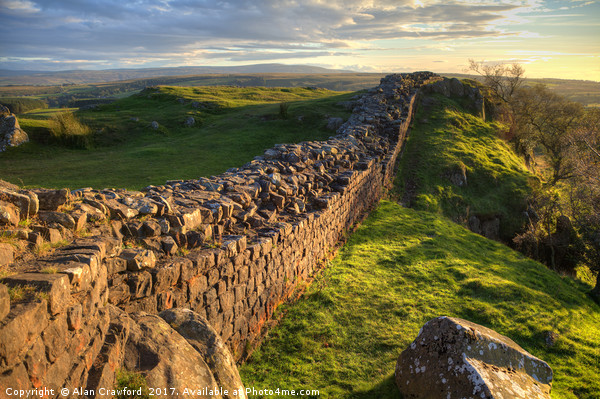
x=373 y=35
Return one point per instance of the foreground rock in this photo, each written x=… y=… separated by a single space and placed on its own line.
x=11 y=134
x=166 y=359
x=454 y=358
x=196 y=330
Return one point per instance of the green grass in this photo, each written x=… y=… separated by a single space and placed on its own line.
x=402 y=268
x=232 y=126
x=444 y=138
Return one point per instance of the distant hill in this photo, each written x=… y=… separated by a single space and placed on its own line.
x=10 y=77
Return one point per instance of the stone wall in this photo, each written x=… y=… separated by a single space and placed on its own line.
x=231 y=247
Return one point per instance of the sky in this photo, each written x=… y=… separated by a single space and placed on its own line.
x=559 y=39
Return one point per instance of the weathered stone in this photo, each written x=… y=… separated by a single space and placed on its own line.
x=4 y=302
x=334 y=123
x=51 y=200
x=166 y=275
x=140 y=284
x=168 y=245
x=151 y=228
x=456 y=358
x=93 y=213
x=19 y=200
x=7 y=254
x=49 y=234
x=55 y=337
x=11 y=134
x=74 y=317
x=55 y=286
x=18 y=331
x=200 y=334
x=120 y=211
x=190 y=121
x=115 y=265
x=80 y=217
x=58 y=217
x=165 y=358
x=80 y=275
x=138 y=259
x=9 y=214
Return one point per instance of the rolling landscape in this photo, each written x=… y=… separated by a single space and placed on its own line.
x=342 y=336
x=237 y=200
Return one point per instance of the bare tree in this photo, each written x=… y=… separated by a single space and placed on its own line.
x=504 y=80
x=545 y=119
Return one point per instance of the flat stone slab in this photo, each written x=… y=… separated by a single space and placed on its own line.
x=453 y=358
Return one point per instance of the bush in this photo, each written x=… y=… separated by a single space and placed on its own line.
x=131 y=385
x=283 y=110
x=65 y=128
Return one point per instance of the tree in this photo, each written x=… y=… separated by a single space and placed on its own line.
x=546 y=119
x=504 y=80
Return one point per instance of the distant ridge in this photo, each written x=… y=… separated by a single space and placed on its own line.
x=11 y=77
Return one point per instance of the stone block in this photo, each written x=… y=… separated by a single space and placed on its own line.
x=9 y=214
x=57 y=217
x=55 y=286
x=140 y=284
x=74 y=317
x=19 y=200
x=51 y=200
x=166 y=275
x=56 y=336
x=457 y=358
x=138 y=259
x=4 y=302
x=7 y=254
x=115 y=265
x=19 y=329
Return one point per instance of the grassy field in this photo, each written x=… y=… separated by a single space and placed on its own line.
x=58 y=90
x=232 y=126
x=401 y=268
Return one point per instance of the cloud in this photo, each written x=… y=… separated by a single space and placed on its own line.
x=235 y=30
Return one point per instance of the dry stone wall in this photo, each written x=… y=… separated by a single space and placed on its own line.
x=230 y=247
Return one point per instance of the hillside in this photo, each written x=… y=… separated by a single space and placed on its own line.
x=403 y=267
x=232 y=125
x=456 y=165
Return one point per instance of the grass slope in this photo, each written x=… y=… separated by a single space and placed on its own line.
x=446 y=138
x=401 y=268
x=232 y=126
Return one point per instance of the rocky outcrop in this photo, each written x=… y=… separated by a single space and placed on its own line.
x=196 y=330
x=454 y=358
x=11 y=134
x=455 y=88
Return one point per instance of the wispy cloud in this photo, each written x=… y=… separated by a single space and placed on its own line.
x=87 y=33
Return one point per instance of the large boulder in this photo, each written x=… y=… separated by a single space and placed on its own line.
x=11 y=134
x=454 y=358
x=207 y=341
x=167 y=360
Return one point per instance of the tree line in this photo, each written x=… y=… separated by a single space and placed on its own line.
x=559 y=140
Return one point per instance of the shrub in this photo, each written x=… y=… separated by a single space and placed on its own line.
x=65 y=128
x=127 y=381
x=283 y=110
